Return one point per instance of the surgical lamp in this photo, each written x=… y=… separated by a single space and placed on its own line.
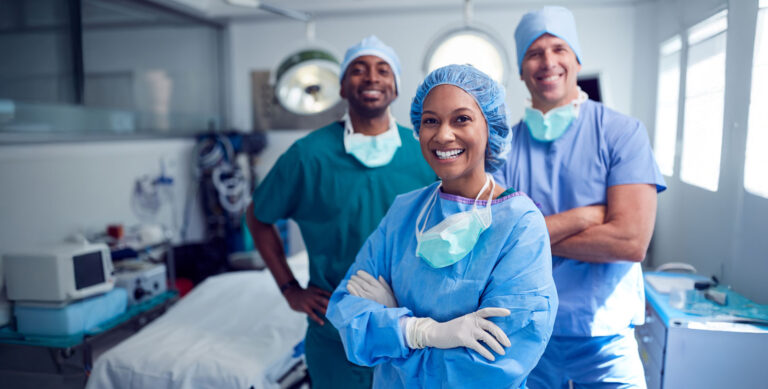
x=306 y=82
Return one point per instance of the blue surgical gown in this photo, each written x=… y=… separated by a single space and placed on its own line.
x=601 y=148
x=509 y=267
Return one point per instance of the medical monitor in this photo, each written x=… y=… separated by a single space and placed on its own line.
x=58 y=274
x=89 y=269
x=591 y=85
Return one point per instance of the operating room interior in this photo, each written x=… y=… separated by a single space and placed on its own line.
x=111 y=109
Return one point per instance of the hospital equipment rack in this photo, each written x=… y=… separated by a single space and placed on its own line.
x=681 y=349
x=52 y=361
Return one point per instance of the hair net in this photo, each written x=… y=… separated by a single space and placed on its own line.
x=557 y=21
x=371 y=45
x=489 y=96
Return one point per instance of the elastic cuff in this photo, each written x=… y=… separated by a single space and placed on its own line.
x=410 y=337
x=415 y=328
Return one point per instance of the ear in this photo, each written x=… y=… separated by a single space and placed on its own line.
x=341 y=91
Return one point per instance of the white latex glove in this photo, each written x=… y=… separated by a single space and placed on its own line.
x=364 y=285
x=465 y=331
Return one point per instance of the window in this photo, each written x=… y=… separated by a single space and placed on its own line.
x=37 y=63
x=665 y=135
x=704 y=98
x=755 y=177
x=469 y=45
x=106 y=66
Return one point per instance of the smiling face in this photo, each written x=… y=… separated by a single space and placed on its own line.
x=369 y=86
x=453 y=135
x=549 y=70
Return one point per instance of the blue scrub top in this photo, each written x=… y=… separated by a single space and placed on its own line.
x=600 y=149
x=509 y=267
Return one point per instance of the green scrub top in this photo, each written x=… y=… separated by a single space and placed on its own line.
x=336 y=200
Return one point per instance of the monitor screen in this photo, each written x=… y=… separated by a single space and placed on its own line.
x=590 y=84
x=89 y=269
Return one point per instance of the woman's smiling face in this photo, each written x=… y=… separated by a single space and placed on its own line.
x=453 y=135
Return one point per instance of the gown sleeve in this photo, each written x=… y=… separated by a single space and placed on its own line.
x=521 y=282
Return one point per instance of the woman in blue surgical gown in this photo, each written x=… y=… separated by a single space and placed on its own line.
x=454 y=288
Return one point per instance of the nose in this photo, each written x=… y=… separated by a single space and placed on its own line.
x=549 y=59
x=444 y=134
x=371 y=76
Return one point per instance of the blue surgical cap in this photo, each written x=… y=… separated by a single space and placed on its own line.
x=372 y=45
x=489 y=96
x=557 y=21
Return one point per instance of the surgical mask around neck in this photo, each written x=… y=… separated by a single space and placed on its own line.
x=547 y=127
x=372 y=150
x=456 y=236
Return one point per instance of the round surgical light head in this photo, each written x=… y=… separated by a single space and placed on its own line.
x=307 y=82
x=469 y=45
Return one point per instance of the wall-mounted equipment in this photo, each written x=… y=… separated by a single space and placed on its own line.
x=307 y=81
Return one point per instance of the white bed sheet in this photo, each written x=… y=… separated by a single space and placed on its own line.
x=226 y=333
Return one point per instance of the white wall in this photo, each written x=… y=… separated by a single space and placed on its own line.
x=724 y=232
x=606 y=36
x=51 y=191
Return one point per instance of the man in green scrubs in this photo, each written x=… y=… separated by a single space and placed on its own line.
x=337 y=183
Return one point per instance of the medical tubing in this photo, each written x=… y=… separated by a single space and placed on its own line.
x=145 y=199
x=212 y=151
x=233 y=191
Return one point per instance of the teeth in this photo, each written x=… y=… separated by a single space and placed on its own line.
x=448 y=154
x=551 y=78
x=371 y=92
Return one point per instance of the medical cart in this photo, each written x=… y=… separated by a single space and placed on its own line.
x=694 y=342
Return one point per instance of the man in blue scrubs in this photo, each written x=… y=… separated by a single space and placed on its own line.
x=593 y=174
x=337 y=183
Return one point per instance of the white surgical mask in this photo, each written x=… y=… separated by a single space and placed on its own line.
x=455 y=237
x=372 y=150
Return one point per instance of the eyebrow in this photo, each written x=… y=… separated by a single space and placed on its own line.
x=361 y=62
x=554 y=46
x=454 y=111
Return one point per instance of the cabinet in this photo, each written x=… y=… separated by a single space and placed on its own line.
x=681 y=349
